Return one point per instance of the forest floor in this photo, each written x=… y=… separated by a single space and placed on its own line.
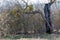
x=53 y=36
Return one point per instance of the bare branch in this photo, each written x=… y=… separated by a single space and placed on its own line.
x=25 y=3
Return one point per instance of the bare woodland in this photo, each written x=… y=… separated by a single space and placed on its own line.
x=17 y=19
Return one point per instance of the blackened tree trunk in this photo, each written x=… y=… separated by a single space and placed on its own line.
x=48 y=18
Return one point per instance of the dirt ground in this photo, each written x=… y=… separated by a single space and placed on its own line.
x=44 y=37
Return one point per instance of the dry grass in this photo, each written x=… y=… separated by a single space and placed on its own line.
x=44 y=37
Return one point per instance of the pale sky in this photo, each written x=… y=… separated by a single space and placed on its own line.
x=40 y=1
x=33 y=1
